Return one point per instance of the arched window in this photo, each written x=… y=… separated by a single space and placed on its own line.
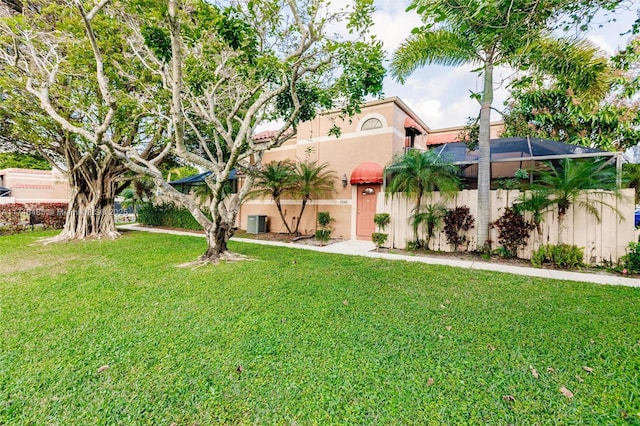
x=368 y=191
x=372 y=123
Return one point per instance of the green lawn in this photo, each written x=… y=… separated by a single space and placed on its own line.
x=297 y=337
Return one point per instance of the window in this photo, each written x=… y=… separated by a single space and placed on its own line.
x=368 y=191
x=409 y=140
x=372 y=123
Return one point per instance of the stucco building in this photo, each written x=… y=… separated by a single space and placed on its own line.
x=33 y=186
x=369 y=141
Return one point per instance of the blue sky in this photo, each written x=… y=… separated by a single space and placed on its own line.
x=440 y=95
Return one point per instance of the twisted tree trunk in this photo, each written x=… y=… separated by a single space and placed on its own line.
x=91 y=203
x=218 y=235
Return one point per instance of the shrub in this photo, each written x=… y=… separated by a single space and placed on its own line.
x=456 y=221
x=631 y=260
x=381 y=220
x=379 y=239
x=513 y=232
x=413 y=245
x=430 y=217
x=167 y=214
x=561 y=255
x=14 y=218
x=324 y=233
x=50 y=215
x=11 y=218
x=324 y=219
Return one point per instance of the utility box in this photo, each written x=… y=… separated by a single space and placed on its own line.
x=256 y=224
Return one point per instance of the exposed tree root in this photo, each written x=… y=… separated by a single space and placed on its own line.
x=303 y=237
x=226 y=256
x=64 y=237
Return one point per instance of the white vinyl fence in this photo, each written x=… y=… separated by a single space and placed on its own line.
x=604 y=241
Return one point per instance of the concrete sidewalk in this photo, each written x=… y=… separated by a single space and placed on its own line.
x=366 y=249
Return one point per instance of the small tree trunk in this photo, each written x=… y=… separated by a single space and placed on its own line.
x=304 y=204
x=561 y=215
x=217 y=239
x=284 y=220
x=219 y=230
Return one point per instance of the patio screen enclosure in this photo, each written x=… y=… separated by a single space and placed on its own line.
x=510 y=154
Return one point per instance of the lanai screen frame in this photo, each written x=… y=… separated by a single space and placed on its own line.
x=530 y=157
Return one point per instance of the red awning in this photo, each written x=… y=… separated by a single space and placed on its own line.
x=410 y=123
x=368 y=172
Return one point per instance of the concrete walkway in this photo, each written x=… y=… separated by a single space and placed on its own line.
x=366 y=249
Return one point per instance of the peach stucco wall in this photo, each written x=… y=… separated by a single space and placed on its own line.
x=343 y=154
x=450 y=134
x=35 y=186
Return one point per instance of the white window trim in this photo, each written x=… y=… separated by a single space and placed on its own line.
x=372 y=115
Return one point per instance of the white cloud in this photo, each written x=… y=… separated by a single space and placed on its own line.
x=392 y=25
x=605 y=43
x=440 y=95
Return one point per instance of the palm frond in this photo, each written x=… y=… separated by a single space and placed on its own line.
x=578 y=65
x=439 y=46
x=313 y=181
x=419 y=173
x=274 y=180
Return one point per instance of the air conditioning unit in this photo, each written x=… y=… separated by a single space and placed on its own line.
x=256 y=224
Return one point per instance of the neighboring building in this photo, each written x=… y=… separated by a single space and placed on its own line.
x=369 y=141
x=33 y=186
x=450 y=134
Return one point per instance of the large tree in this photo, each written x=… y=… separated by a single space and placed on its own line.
x=227 y=69
x=490 y=34
x=551 y=108
x=53 y=103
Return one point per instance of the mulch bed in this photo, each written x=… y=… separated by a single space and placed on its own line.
x=308 y=240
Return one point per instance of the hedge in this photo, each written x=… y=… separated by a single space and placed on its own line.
x=167 y=214
x=15 y=218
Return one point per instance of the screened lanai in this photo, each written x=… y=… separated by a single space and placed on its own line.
x=510 y=154
x=188 y=183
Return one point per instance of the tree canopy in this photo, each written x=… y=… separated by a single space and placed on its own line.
x=552 y=109
x=192 y=79
x=23 y=161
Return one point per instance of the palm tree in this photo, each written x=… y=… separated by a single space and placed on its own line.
x=430 y=218
x=419 y=173
x=535 y=202
x=489 y=34
x=312 y=181
x=562 y=184
x=276 y=179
